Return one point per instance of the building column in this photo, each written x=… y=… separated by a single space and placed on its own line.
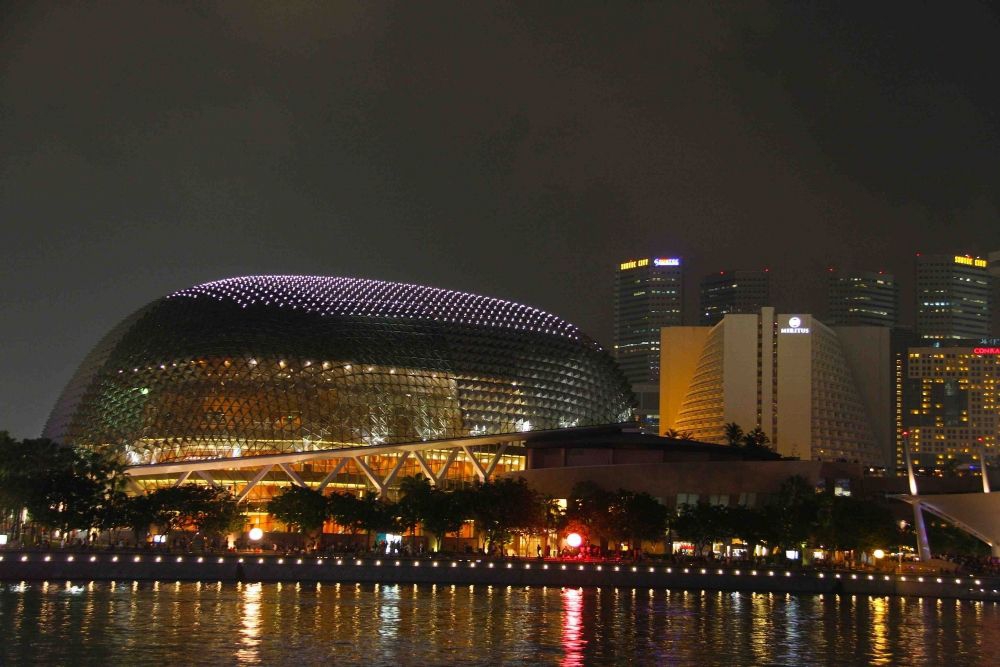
x=923 y=546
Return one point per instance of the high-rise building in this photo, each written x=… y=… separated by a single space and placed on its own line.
x=994 y=269
x=735 y=291
x=862 y=298
x=817 y=392
x=953 y=297
x=649 y=295
x=951 y=405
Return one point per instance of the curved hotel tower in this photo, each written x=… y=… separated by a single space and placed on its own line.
x=817 y=392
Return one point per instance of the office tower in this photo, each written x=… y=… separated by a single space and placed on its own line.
x=734 y=291
x=862 y=298
x=994 y=268
x=817 y=392
x=649 y=295
x=953 y=297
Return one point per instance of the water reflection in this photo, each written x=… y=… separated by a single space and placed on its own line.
x=389 y=624
x=573 y=642
x=250 y=629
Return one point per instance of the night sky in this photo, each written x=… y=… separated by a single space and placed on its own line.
x=515 y=150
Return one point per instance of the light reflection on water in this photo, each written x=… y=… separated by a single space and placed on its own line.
x=273 y=624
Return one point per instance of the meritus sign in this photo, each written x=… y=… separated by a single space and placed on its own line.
x=794 y=326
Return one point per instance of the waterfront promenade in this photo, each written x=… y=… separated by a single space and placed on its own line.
x=130 y=566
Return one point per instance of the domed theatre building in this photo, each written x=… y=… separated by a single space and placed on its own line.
x=257 y=382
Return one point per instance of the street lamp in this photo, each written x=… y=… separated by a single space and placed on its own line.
x=256 y=533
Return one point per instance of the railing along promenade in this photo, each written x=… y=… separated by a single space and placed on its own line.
x=55 y=565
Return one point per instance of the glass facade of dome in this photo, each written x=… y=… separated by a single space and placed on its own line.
x=281 y=364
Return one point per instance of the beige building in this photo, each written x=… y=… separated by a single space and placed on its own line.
x=817 y=392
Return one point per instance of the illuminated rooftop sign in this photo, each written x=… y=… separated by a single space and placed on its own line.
x=986 y=350
x=794 y=326
x=969 y=261
x=667 y=261
x=634 y=263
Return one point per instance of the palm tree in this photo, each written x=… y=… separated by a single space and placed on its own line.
x=734 y=433
x=756 y=439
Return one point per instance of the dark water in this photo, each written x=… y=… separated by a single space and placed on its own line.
x=367 y=624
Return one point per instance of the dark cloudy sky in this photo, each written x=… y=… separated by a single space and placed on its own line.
x=517 y=150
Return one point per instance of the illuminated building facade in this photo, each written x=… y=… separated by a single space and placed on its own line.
x=263 y=381
x=862 y=298
x=649 y=295
x=951 y=406
x=953 y=297
x=730 y=292
x=816 y=392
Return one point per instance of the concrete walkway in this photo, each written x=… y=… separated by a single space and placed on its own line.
x=111 y=566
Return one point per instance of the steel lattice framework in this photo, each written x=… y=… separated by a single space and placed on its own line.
x=265 y=365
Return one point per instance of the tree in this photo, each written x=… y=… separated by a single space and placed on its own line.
x=415 y=492
x=300 y=508
x=756 y=439
x=791 y=517
x=504 y=506
x=137 y=513
x=734 y=434
x=62 y=487
x=208 y=509
x=345 y=508
x=702 y=524
x=376 y=515
x=750 y=525
x=638 y=517
x=589 y=506
x=851 y=524
x=369 y=514
x=442 y=513
x=674 y=434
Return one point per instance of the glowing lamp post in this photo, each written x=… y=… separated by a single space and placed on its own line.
x=574 y=540
x=256 y=533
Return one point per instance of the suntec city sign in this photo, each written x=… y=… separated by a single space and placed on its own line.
x=795 y=326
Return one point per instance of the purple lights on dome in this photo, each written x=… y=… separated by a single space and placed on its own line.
x=357 y=297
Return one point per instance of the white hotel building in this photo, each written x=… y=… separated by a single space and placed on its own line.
x=818 y=392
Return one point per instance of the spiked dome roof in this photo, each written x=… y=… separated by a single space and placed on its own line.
x=272 y=364
x=359 y=297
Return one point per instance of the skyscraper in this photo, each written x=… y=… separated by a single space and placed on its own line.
x=953 y=297
x=994 y=268
x=862 y=298
x=649 y=294
x=734 y=291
